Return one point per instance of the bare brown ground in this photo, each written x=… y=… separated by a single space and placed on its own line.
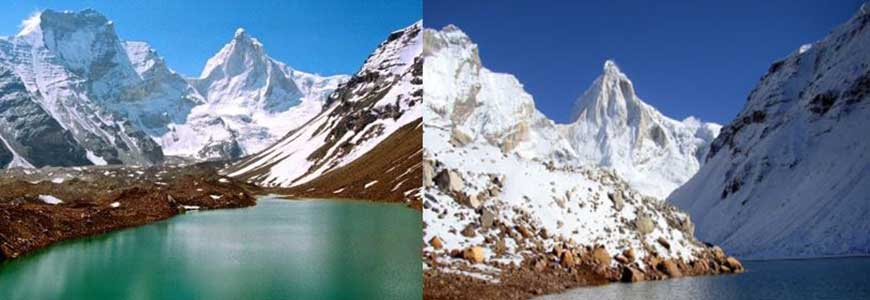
x=142 y=195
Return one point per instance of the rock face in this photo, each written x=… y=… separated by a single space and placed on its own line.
x=792 y=168
x=381 y=100
x=505 y=181
x=30 y=136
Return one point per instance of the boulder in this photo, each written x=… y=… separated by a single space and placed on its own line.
x=629 y=254
x=734 y=264
x=473 y=254
x=487 y=218
x=670 y=268
x=630 y=274
x=474 y=202
x=622 y=259
x=436 y=243
x=428 y=173
x=459 y=138
x=601 y=256
x=644 y=225
x=616 y=198
x=567 y=259
x=662 y=241
x=523 y=231
x=449 y=181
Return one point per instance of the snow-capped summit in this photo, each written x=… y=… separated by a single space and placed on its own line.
x=790 y=176
x=251 y=101
x=610 y=98
x=613 y=128
x=243 y=73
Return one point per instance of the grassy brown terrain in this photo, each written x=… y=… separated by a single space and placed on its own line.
x=97 y=200
x=394 y=165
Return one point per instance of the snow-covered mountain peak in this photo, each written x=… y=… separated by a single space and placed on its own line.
x=610 y=98
x=242 y=53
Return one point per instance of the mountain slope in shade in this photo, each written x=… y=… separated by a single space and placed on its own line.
x=381 y=99
x=500 y=176
x=613 y=128
x=251 y=101
x=30 y=136
x=790 y=176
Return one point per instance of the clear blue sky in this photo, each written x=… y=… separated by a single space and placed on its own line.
x=698 y=58
x=322 y=36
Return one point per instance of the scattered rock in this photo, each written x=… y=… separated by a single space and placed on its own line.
x=567 y=259
x=428 y=173
x=601 y=256
x=487 y=218
x=616 y=198
x=734 y=264
x=670 y=268
x=629 y=254
x=473 y=254
x=436 y=243
x=662 y=241
x=644 y=225
x=449 y=181
x=459 y=138
x=630 y=274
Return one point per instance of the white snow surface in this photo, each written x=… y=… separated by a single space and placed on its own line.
x=49 y=199
x=790 y=176
x=611 y=127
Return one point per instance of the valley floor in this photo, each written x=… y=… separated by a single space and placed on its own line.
x=40 y=207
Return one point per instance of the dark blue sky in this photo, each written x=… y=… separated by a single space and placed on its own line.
x=698 y=58
x=321 y=36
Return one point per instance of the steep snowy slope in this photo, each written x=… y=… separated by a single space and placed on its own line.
x=613 y=128
x=79 y=71
x=251 y=101
x=383 y=98
x=790 y=177
x=501 y=185
x=29 y=135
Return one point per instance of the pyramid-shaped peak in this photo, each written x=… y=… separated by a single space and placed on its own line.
x=240 y=33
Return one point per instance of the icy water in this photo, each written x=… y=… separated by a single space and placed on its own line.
x=278 y=249
x=841 y=278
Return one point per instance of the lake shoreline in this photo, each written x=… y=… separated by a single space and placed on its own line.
x=546 y=275
x=97 y=200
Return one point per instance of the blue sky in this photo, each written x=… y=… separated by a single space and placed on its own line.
x=698 y=58
x=322 y=36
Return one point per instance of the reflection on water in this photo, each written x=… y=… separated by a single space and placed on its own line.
x=843 y=278
x=275 y=250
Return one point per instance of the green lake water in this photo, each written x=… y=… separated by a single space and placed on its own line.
x=278 y=249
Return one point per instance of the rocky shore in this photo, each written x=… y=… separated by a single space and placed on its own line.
x=40 y=207
x=556 y=270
